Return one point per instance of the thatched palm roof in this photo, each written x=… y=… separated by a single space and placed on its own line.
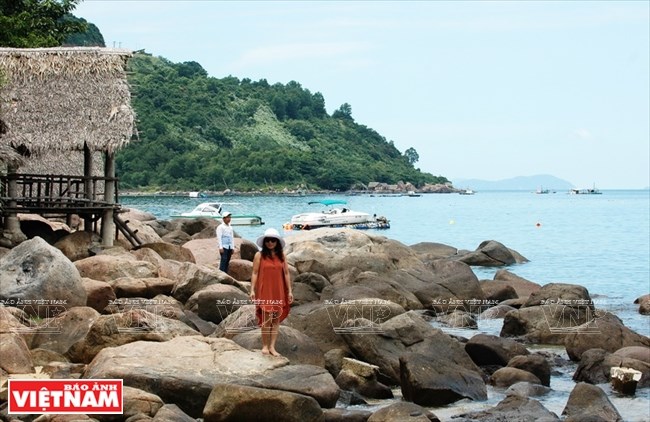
x=55 y=100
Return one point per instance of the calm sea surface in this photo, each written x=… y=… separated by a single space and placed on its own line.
x=601 y=242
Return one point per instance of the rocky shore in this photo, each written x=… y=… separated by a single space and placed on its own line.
x=182 y=334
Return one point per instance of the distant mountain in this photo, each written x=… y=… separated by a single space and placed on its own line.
x=528 y=183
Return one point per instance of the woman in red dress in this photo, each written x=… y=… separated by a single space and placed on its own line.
x=270 y=288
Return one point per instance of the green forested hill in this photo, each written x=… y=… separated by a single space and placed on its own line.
x=203 y=133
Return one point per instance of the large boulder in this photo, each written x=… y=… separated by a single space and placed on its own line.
x=78 y=245
x=405 y=333
x=454 y=287
x=40 y=279
x=536 y=364
x=644 y=304
x=206 y=251
x=327 y=251
x=403 y=411
x=562 y=294
x=16 y=358
x=438 y=382
x=522 y=286
x=486 y=350
x=507 y=376
x=491 y=253
x=546 y=324
x=393 y=286
x=291 y=343
x=361 y=377
x=512 y=408
x=59 y=334
x=108 y=331
x=170 y=251
x=605 y=332
x=106 y=267
x=229 y=402
x=324 y=322
x=141 y=287
x=216 y=301
x=190 y=278
x=429 y=251
x=99 y=293
x=589 y=400
x=162 y=369
x=595 y=366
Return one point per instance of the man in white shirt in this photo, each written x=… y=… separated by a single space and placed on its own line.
x=226 y=241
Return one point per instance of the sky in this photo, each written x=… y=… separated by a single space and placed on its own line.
x=482 y=90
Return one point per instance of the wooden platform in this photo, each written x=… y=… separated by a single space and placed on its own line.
x=61 y=196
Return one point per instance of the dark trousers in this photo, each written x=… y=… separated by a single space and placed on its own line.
x=225 y=259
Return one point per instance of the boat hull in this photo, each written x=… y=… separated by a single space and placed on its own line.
x=314 y=219
x=337 y=218
x=236 y=220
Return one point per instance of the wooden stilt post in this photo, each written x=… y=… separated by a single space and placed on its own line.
x=88 y=187
x=108 y=226
x=12 y=224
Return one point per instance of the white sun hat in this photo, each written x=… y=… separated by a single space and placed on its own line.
x=270 y=233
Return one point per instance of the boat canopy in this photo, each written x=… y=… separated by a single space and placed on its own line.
x=328 y=202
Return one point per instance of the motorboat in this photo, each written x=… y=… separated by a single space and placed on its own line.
x=215 y=210
x=466 y=192
x=592 y=191
x=336 y=217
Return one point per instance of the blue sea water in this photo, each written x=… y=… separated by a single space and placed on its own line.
x=601 y=242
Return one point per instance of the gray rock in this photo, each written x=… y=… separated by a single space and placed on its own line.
x=527 y=389
x=438 y=382
x=606 y=332
x=242 y=403
x=512 y=408
x=162 y=368
x=403 y=412
x=507 y=376
x=486 y=349
x=535 y=364
x=589 y=400
x=40 y=279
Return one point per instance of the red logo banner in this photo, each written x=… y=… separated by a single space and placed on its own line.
x=65 y=396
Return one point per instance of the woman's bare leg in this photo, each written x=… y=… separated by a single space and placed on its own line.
x=267 y=321
x=275 y=330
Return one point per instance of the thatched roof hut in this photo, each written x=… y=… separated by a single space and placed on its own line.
x=63 y=113
x=57 y=100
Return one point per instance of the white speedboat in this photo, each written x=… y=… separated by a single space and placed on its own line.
x=336 y=217
x=214 y=210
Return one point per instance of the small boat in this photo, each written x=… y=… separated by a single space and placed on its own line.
x=413 y=194
x=336 y=217
x=466 y=192
x=197 y=195
x=585 y=192
x=215 y=209
x=592 y=191
x=542 y=191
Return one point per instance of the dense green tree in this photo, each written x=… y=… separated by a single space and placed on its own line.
x=89 y=38
x=412 y=155
x=37 y=23
x=343 y=112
